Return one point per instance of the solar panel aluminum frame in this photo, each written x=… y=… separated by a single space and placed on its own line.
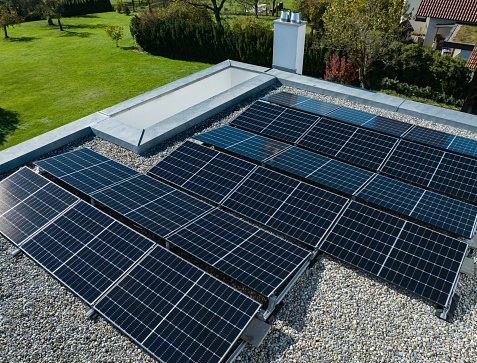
x=139 y=343
x=59 y=279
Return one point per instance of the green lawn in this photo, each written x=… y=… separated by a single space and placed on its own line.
x=49 y=78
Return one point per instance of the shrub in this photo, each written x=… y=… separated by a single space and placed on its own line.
x=410 y=90
x=340 y=71
x=115 y=33
x=126 y=9
x=118 y=6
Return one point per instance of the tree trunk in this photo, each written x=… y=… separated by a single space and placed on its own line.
x=256 y=8
x=117 y=43
x=134 y=9
x=50 y=21
x=217 y=15
x=5 y=30
x=59 y=23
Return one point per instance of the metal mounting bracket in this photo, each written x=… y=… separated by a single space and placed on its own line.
x=447 y=314
x=255 y=332
x=91 y=314
x=472 y=243
x=467 y=266
x=17 y=252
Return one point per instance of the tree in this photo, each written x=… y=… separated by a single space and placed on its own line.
x=53 y=9
x=9 y=15
x=214 y=6
x=362 y=29
x=115 y=33
x=314 y=11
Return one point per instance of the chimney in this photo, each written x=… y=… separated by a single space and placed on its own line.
x=289 y=43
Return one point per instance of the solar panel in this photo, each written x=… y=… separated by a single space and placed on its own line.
x=457 y=176
x=86 y=170
x=362 y=147
x=430 y=137
x=206 y=172
x=438 y=210
x=351 y=116
x=152 y=204
x=321 y=169
x=28 y=202
x=413 y=162
x=367 y=148
x=391 y=194
x=86 y=250
x=288 y=125
x=301 y=103
x=296 y=209
x=285 y=99
x=327 y=136
x=246 y=253
x=243 y=143
x=176 y=311
x=420 y=260
x=388 y=126
x=464 y=146
x=258 y=116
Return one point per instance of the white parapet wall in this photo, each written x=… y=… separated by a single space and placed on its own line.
x=289 y=45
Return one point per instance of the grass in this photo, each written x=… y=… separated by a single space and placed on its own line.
x=49 y=78
x=418 y=99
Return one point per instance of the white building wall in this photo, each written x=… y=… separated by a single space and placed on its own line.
x=431 y=28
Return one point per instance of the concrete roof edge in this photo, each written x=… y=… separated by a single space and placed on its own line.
x=30 y=149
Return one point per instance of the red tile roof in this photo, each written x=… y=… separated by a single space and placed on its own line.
x=458 y=10
x=472 y=62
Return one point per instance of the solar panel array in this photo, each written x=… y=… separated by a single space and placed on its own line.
x=420 y=260
x=448 y=173
x=86 y=170
x=275 y=121
x=348 y=115
x=243 y=143
x=28 y=203
x=438 y=210
x=173 y=309
x=435 y=138
x=201 y=170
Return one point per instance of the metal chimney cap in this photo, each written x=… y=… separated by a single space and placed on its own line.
x=285 y=16
x=295 y=18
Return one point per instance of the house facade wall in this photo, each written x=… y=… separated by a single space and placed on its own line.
x=431 y=28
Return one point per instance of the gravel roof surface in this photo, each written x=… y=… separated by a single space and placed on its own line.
x=333 y=313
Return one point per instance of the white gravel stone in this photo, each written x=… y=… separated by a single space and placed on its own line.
x=333 y=313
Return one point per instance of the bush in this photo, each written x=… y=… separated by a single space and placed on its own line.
x=340 y=71
x=118 y=6
x=410 y=90
x=423 y=67
x=115 y=33
x=126 y=9
x=82 y=7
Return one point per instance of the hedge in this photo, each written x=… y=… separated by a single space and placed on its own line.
x=82 y=7
x=411 y=90
x=213 y=43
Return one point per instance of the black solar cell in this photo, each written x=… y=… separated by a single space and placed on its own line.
x=430 y=137
x=258 y=116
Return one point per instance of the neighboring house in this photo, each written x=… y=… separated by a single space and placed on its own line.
x=440 y=16
x=418 y=26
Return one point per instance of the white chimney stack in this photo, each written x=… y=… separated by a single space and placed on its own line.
x=289 y=43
